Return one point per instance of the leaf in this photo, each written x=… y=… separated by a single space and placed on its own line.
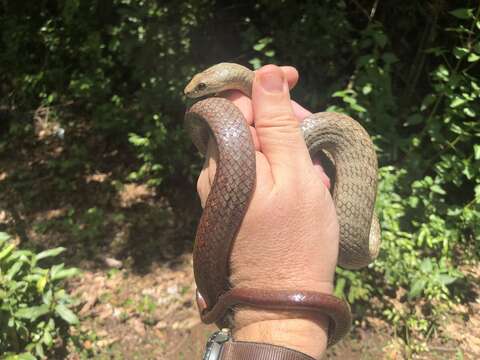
x=469 y=112
x=49 y=253
x=426 y=266
x=476 y=151
x=446 y=279
x=66 y=273
x=5 y=252
x=473 y=57
x=47 y=338
x=417 y=288
x=259 y=46
x=457 y=102
x=340 y=287
x=41 y=284
x=39 y=350
x=14 y=269
x=462 y=13
x=380 y=38
x=55 y=269
x=256 y=63
x=437 y=189
x=414 y=119
x=460 y=52
x=32 y=313
x=367 y=89
x=390 y=58
x=3 y=237
x=66 y=314
x=269 y=53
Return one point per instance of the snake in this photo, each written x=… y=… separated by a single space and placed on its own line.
x=336 y=139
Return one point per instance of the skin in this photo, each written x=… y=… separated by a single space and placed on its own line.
x=280 y=245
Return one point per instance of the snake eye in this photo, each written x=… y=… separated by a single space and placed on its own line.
x=201 y=86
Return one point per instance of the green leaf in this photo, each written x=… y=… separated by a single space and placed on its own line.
x=259 y=46
x=5 y=252
x=41 y=284
x=414 y=119
x=476 y=151
x=460 y=52
x=66 y=314
x=256 y=63
x=380 y=38
x=340 y=287
x=446 y=279
x=390 y=58
x=437 y=189
x=469 y=112
x=473 y=57
x=49 y=253
x=66 y=273
x=3 y=237
x=417 y=288
x=39 y=350
x=47 y=338
x=426 y=266
x=32 y=313
x=477 y=194
x=14 y=269
x=367 y=89
x=269 y=53
x=462 y=13
x=457 y=102
x=55 y=269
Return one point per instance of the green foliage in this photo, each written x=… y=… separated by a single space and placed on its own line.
x=428 y=202
x=34 y=307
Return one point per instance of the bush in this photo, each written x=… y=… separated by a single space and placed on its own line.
x=34 y=307
x=429 y=195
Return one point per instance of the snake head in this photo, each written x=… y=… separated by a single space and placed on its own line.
x=218 y=78
x=200 y=85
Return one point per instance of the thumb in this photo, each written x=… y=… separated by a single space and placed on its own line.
x=277 y=129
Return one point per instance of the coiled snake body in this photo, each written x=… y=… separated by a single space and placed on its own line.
x=336 y=136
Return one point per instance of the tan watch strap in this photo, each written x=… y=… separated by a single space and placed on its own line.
x=241 y=350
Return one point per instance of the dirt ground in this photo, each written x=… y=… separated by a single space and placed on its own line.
x=136 y=290
x=153 y=316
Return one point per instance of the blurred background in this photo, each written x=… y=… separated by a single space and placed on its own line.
x=97 y=176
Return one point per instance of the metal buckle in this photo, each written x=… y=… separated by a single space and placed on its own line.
x=215 y=344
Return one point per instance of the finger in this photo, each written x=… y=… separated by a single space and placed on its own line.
x=241 y=101
x=277 y=128
x=323 y=177
x=291 y=75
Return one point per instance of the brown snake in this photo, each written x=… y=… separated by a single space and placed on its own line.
x=336 y=136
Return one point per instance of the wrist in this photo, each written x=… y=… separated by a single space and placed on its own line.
x=308 y=336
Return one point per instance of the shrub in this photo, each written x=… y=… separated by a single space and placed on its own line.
x=34 y=307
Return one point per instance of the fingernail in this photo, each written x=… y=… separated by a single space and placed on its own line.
x=272 y=82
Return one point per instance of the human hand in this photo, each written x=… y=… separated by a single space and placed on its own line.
x=289 y=237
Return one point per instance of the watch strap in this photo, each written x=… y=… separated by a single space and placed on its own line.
x=242 y=350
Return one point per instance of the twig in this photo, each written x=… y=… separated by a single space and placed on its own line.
x=442 y=349
x=365 y=12
x=373 y=11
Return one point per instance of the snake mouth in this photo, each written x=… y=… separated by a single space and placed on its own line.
x=192 y=100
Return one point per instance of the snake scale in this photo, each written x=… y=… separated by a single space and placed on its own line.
x=329 y=135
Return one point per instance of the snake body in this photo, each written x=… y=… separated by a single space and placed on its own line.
x=331 y=135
